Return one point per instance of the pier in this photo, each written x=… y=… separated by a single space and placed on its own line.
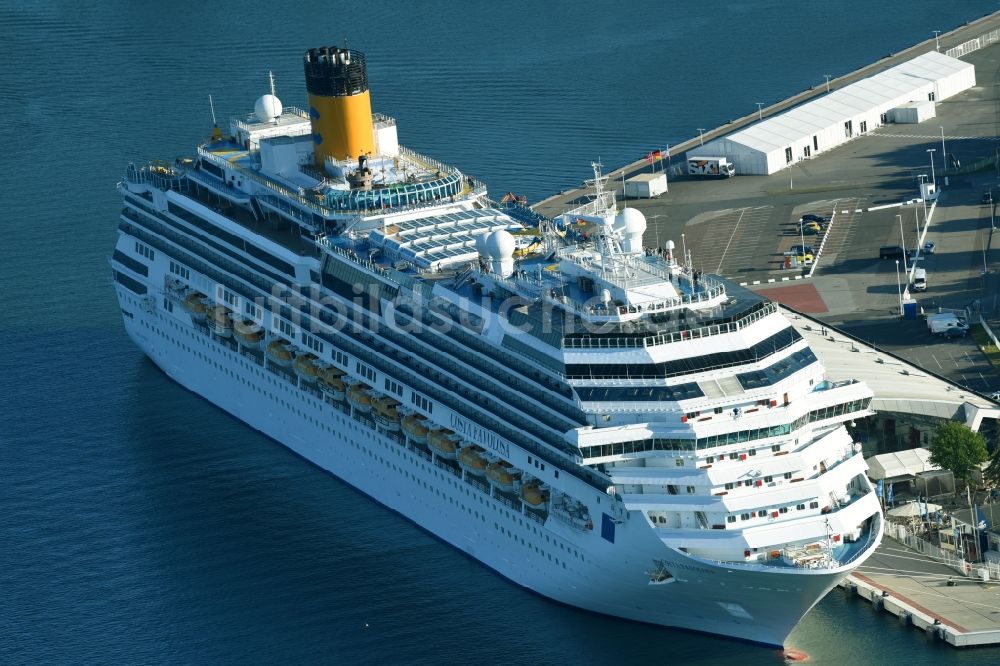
x=957 y=608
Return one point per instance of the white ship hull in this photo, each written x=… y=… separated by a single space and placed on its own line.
x=577 y=567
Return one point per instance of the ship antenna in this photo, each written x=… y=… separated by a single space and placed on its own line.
x=216 y=132
x=270 y=75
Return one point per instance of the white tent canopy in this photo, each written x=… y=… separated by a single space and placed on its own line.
x=913 y=509
x=900 y=465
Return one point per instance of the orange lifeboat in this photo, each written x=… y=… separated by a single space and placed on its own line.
x=534 y=495
x=414 y=425
x=194 y=303
x=278 y=351
x=443 y=444
x=331 y=381
x=385 y=413
x=249 y=333
x=360 y=398
x=502 y=475
x=471 y=459
x=305 y=367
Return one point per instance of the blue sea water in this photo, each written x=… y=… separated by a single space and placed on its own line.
x=140 y=524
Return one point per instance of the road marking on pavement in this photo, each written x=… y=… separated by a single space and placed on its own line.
x=731 y=237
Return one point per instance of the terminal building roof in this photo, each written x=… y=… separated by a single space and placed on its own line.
x=898 y=386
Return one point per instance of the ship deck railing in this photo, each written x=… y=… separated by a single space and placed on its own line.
x=668 y=337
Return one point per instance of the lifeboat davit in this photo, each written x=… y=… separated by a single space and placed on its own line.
x=443 y=443
x=306 y=368
x=278 y=351
x=502 y=475
x=415 y=428
x=385 y=413
x=471 y=459
x=331 y=381
x=249 y=333
x=194 y=303
x=534 y=495
x=220 y=322
x=360 y=398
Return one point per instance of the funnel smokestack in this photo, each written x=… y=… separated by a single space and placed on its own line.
x=340 y=108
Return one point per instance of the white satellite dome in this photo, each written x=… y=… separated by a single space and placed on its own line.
x=630 y=221
x=481 y=244
x=500 y=244
x=267 y=108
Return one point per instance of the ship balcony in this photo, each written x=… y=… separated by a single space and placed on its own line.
x=763 y=540
x=834 y=480
x=815 y=553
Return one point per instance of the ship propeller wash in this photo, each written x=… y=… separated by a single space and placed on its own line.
x=586 y=416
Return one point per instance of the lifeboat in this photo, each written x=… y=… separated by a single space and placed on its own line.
x=194 y=303
x=534 y=495
x=220 y=323
x=249 y=333
x=443 y=444
x=278 y=351
x=471 y=459
x=331 y=381
x=385 y=413
x=502 y=475
x=413 y=426
x=360 y=398
x=305 y=367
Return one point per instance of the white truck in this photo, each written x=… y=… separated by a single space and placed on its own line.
x=711 y=166
x=919 y=279
x=943 y=322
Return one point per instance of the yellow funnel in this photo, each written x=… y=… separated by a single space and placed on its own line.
x=340 y=108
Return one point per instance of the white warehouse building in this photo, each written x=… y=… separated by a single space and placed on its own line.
x=828 y=121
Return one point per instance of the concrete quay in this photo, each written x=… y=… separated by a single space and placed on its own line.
x=924 y=593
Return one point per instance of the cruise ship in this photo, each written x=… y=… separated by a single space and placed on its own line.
x=587 y=416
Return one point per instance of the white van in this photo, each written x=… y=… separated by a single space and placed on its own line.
x=919 y=279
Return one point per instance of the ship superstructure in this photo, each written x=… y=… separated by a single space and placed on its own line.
x=587 y=416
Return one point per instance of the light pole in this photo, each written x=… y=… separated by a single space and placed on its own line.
x=701 y=135
x=933 y=177
x=992 y=211
x=937 y=42
x=923 y=178
x=684 y=245
x=827 y=77
x=902 y=239
x=944 y=152
x=802 y=244
x=899 y=289
x=916 y=220
x=760 y=113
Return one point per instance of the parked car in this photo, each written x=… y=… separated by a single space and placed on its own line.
x=811 y=228
x=955 y=332
x=819 y=219
x=801 y=248
x=804 y=259
x=890 y=252
x=987 y=197
x=929 y=247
